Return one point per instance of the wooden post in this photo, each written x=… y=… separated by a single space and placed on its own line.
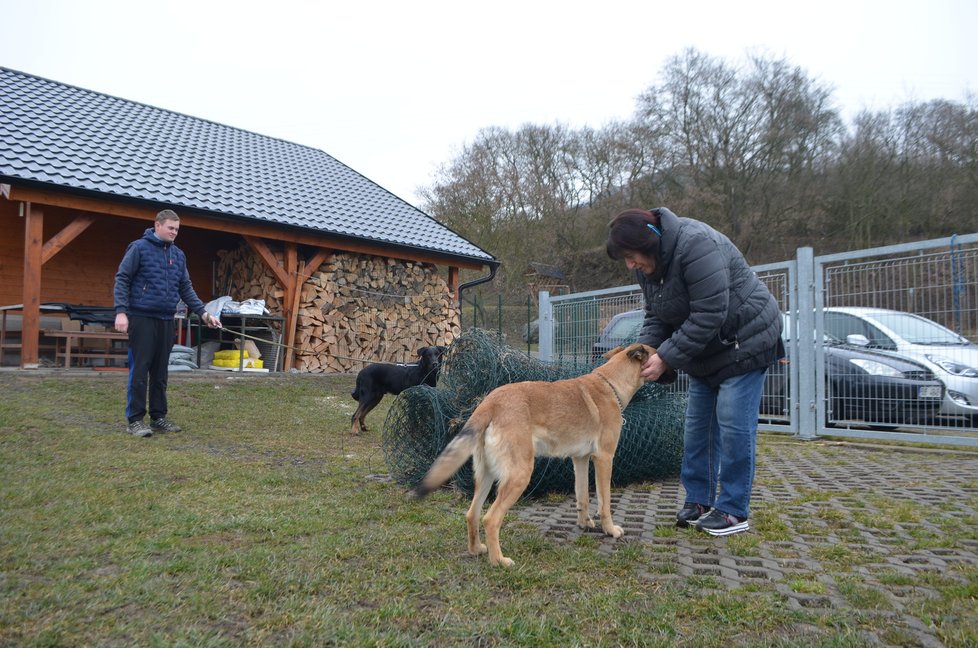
x=453 y=281
x=31 y=324
x=292 y=316
x=292 y=322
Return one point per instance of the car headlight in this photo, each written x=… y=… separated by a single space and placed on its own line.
x=953 y=367
x=874 y=368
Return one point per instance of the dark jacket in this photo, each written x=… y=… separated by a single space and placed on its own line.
x=153 y=278
x=706 y=311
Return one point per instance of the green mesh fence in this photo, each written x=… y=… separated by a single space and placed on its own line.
x=422 y=420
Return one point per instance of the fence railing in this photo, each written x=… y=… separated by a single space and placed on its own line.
x=936 y=279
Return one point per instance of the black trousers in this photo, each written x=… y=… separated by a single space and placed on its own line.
x=150 y=343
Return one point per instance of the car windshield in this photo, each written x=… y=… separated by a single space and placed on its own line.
x=625 y=329
x=919 y=330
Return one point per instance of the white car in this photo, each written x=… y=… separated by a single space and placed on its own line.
x=952 y=357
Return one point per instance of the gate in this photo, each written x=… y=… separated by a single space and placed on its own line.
x=819 y=391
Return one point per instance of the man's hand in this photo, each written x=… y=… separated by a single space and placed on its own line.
x=121 y=323
x=210 y=320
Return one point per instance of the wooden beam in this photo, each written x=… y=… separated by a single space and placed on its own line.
x=235 y=225
x=310 y=266
x=453 y=281
x=291 y=259
x=30 y=325
x=60 y=240
x=317 y=260
x=260 y=248
x=292 y=317
x=292 y=268
x=98 y=205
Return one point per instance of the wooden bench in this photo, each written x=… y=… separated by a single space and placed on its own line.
x=10 y=333
x=74 y=345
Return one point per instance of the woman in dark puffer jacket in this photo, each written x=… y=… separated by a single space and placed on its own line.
x=707 y=314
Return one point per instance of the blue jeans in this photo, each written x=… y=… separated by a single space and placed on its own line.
x=720 y=441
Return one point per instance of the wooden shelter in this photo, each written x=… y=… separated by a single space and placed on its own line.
x=542 y=276
x=82 y=174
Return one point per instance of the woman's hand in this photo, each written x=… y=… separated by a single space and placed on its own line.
x=654 y=367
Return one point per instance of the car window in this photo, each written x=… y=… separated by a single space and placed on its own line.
x=919 y=330
x=842 y=325
x=787 y=331
x=625 y=329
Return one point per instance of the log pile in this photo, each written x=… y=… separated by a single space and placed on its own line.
x=353 y=309
x=242 y=275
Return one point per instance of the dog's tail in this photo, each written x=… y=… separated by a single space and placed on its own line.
x=453 y=457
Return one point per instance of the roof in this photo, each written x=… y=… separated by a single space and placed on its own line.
x=546 y=270
x=76 y=139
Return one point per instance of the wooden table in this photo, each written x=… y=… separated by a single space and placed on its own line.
x=11 y=339
x=72 y=346
x=239 y=325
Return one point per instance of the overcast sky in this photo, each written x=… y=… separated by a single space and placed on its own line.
x=395 y=88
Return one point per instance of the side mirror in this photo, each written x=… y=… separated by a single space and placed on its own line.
x=857 y=339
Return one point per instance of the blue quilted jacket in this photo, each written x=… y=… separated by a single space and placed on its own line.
x=706 y=311
x=153 y=278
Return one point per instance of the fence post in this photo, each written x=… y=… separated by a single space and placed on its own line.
x=546 y=328
x=804 y=368
x=499 y=315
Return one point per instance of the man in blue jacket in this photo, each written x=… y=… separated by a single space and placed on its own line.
x=151 y=281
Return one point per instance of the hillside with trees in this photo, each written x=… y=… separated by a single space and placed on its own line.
x=757 y=150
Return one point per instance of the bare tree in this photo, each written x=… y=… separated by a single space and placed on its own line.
x=906 y=174
x=744 y=143
x=757 y=150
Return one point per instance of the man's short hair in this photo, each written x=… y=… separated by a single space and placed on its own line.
x=165 y=215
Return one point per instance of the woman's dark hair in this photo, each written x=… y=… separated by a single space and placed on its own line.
x=634 y=230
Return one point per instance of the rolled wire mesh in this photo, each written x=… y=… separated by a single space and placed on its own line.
x=422 y=420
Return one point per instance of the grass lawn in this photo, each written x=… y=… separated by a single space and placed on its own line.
x=265 y=523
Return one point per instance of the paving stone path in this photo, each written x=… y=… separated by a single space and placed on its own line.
x=818 y=500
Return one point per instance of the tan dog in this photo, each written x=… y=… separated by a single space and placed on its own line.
x=580 y=418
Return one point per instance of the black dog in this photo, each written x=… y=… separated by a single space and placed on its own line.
x=378 y=379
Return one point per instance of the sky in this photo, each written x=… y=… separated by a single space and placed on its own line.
x=395 y=89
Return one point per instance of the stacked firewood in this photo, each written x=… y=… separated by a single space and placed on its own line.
x=355 y=309
x=241 y=275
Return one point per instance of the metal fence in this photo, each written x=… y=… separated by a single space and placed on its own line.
x=843 y=377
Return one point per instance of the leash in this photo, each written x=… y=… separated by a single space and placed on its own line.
x=301 y=352
x=294 y=349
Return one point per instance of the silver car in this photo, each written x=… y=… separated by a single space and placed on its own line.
x=952 y=357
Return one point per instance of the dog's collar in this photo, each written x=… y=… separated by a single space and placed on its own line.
x=621 y=405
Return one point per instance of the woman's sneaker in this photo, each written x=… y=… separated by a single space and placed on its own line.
x=718 y=523
x=689 y=514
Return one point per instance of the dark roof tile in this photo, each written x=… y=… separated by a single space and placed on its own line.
x=73 y=138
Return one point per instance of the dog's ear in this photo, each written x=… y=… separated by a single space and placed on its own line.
x=609 y=354
x=640 y=353
x=421 y=352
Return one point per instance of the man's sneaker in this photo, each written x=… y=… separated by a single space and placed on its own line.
x=690 y=513
x=164 y=425
x=718 y=523
x=140 y=429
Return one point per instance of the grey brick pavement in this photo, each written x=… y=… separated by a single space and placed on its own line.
x=817 y=499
